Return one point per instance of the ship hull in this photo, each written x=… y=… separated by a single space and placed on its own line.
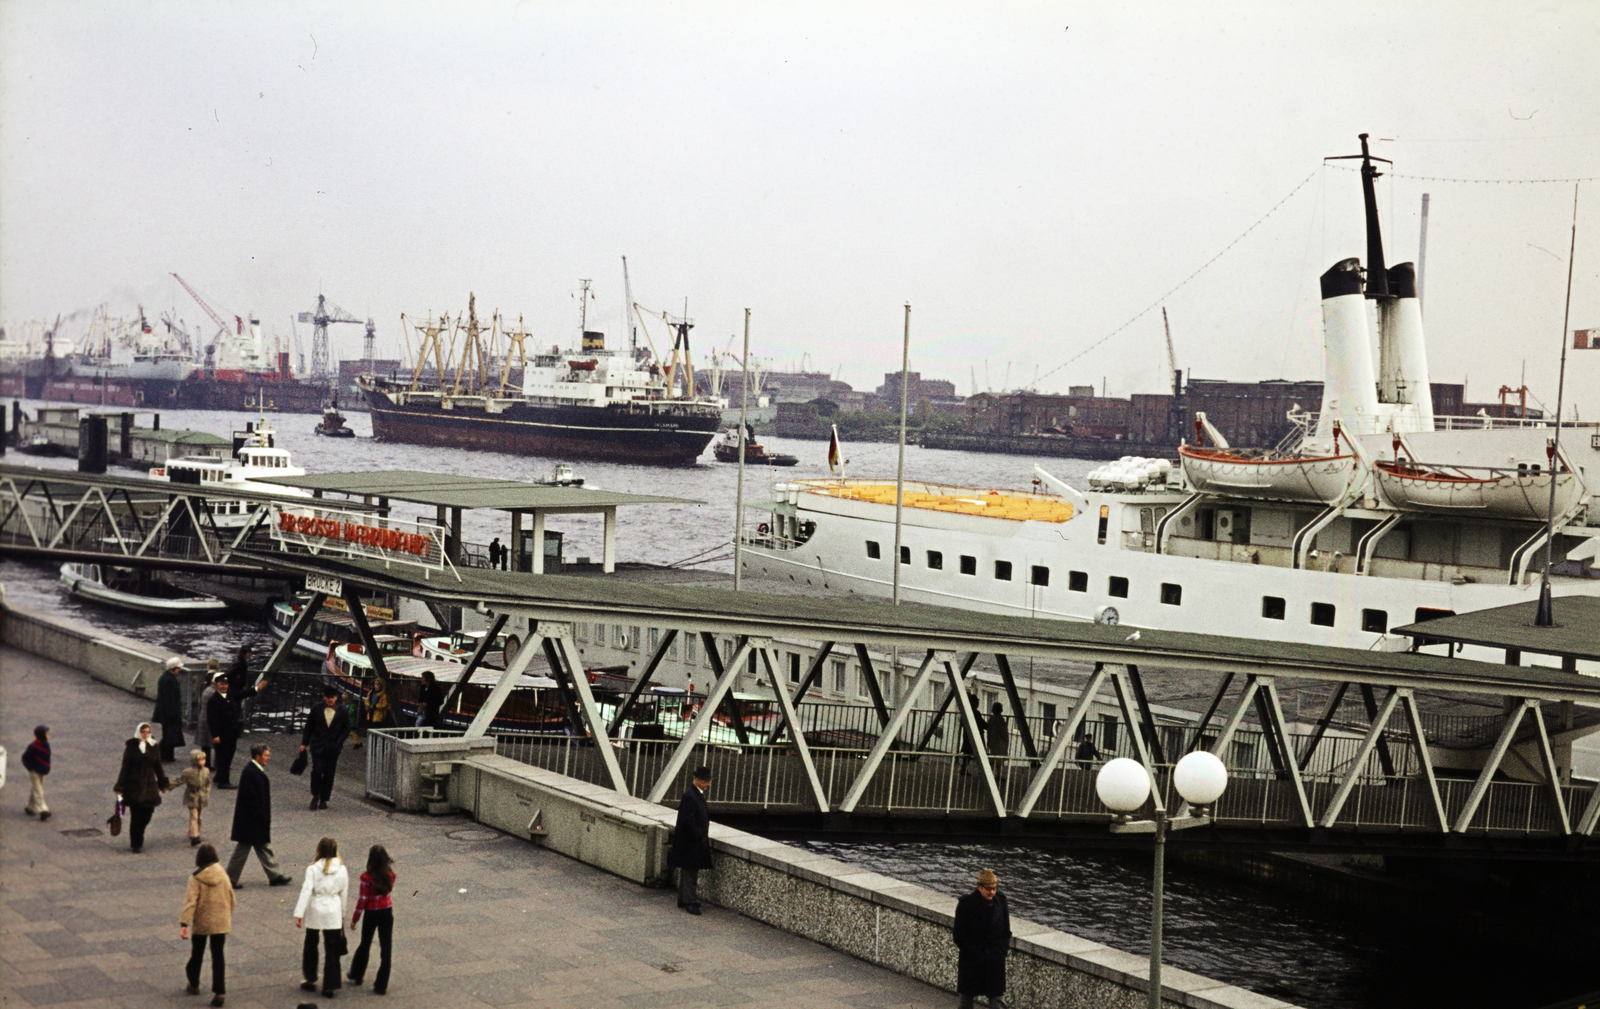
x=653 y=435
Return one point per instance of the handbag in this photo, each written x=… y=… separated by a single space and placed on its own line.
x=341 y=945
x=299 y=766
x=114 y=821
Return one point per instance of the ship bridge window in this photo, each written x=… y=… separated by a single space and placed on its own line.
x=969 y=565
x=1002 y=571
x=905 y=555
x=1375 y=621
x=1039 y=575
x=1322 y=614
x=1171 y=595
x=1105 y=521
x=873 y=550
x=1272 y=608
x=936 y=560
x=1078 y=581
x=1430 y=613
x=838 y=676
x=1117 y=586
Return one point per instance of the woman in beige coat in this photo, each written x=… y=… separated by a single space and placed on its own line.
x=196 y=782
x=207 y=915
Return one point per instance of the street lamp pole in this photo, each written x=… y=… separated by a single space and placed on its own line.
x=1157 y=893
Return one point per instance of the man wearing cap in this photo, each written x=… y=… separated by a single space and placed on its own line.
x=169 y=708
x=983 y=935
x=691 y=841
x=326 y=728
x=225 y=722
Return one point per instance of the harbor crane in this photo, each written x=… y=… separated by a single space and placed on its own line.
x=324 y=313
x=222 y=324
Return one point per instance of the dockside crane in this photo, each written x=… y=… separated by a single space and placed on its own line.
x=222 y=324
x=1177 y=422
x=324 y=313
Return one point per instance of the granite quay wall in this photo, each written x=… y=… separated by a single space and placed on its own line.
x=879 y=920
x=110 y=658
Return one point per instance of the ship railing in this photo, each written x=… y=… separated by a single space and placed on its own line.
x=919 y=783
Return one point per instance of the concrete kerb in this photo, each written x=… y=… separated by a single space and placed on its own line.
x=112 y=659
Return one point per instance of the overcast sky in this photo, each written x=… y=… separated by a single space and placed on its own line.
x=1028 y=176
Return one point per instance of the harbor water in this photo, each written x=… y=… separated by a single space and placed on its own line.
x=1301 y=949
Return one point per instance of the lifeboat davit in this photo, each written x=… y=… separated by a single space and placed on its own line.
x=1524 y=494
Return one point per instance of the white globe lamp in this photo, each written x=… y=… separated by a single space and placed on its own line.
x=1200 y=778
x=1123 y=785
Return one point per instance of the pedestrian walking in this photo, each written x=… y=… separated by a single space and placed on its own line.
x=1087 y=753
x=140 y=783
x=323 y=738
x=252 y=820
x=225 y=717
x=983 y=935
x=168 y=712
x=969 y=747
x=320 y=911
x=202 y=721
x=998 y=739
x=36 y=761
x=691 y=841
x=494 y=553
x=207 y=918
x=429 y=700
x=376 y=899
x=196 y=782
x=378 y=704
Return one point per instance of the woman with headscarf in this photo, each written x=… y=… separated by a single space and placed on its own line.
x=140 y=783
x=320 y=911
x=207 y=918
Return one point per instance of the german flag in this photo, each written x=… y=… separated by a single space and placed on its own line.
x=833 y=449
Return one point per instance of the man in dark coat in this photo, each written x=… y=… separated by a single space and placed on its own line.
x=252 y=820
x=225 y=722
x=691 y=841
x=169 y=708
x=997 y=739
x=326 y=729
x=983 y=934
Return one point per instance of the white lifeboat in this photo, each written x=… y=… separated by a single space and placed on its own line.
x=1520 y=494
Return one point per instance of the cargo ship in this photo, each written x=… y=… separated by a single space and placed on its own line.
x=592 y=403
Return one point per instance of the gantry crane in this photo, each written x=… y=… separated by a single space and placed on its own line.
x=222 y=325
x=324 y=313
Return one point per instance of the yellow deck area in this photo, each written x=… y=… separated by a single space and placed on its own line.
x=987 y=503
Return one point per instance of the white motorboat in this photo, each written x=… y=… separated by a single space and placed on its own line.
x=256 y=455
x=138 y=590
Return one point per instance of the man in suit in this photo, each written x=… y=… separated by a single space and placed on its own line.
x=691 y=841
x=225 y=722
x=326 y=729
x=252 y=820
x=982 y=933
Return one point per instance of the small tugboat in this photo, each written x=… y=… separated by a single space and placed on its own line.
x=333 y=425
x=726 y=449
x=139 y=591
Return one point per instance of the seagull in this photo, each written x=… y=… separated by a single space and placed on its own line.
x=1132 y=637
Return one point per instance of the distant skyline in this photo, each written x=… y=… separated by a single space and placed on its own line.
x=1029 y=176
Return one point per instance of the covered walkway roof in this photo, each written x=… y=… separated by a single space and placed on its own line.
x=1576 y=634
x=445 y=490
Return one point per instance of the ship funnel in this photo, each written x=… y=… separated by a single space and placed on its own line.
x=1403 y=353
x=593 y=341
x=1349 y=392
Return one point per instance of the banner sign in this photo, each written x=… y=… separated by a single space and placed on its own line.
x=319 y=531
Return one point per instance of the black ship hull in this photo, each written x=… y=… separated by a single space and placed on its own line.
x=651 y=434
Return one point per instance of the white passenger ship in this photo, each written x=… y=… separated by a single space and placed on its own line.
x=1381 y=515
x=256 y=455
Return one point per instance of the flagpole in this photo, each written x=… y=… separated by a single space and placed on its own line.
x=738 y=505
x=900 y=471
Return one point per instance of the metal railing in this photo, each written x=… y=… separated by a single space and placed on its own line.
x=383 y=766
x=772 y=778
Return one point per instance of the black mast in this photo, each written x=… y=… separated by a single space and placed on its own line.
x=1377 y=274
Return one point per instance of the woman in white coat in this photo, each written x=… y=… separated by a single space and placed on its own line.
x=321 y=910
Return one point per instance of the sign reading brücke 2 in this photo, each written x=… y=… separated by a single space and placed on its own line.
x=321 y=531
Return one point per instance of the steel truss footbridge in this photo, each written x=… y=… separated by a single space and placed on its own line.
x=1376 y=789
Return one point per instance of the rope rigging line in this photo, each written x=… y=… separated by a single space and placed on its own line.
x=1154 y=304
x=1478 y=182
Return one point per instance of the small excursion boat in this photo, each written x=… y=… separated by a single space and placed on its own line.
x=333 y=422
x=330 y=624
x=138 y=590
x=726 y=449
x=562 y=476
x=256 y=455
x=1523 y=493
x=534 y=705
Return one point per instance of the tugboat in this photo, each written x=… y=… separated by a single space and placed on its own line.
x=726 y=449
x=333 y=425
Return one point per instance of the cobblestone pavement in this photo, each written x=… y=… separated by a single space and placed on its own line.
x=481 y=919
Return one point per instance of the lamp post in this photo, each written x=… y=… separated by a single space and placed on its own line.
x=1124 y=786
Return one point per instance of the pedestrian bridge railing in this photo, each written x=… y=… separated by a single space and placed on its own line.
x=914 y=783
